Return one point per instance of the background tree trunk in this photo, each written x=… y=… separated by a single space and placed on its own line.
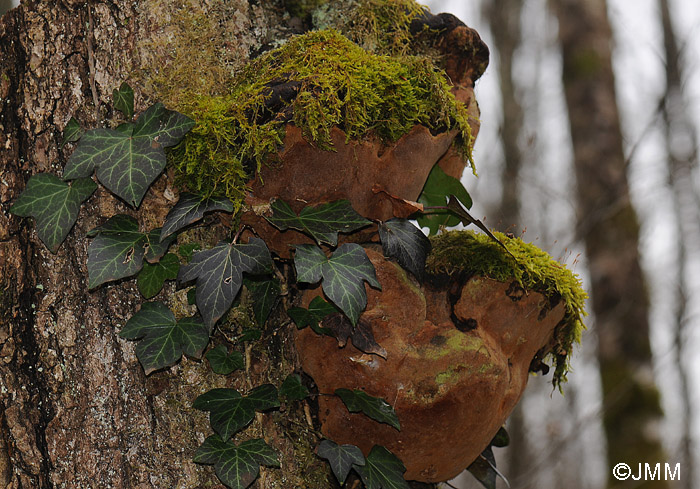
x=76 y=410
x=608 y=226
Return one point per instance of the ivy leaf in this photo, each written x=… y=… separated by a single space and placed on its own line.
x=219 y=274
x=129 y=158
x=124 y=100
x=343 y=275
x=237 y=466
x=318 y=309
x=293 y=389
x=222 y=362
x=374 y=407
x=72 y=132
x=185 y=250
x=118 y=249
x=151 y=278
x=54 y=204
x=484 y=467
x=191 y=208
x=455 y=206
x=363 y=339
x=438 y=187
x=162 y=340
x=406 y=243
x=251 y=334
x=322 y=223
x=382 y=470
x=341 y=458
x=263 y=293
x=230 y=412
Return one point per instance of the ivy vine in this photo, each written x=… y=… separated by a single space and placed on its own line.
x=126 y=160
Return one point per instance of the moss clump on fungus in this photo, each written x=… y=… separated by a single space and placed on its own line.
x=380 y=26
x=331 y=82
x=476 y=254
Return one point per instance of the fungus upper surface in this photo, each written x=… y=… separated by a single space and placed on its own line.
x=316 y=81
x=473 y=253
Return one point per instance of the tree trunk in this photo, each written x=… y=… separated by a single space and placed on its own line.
x=76 y=408
x=608 y=226
x=682 y=153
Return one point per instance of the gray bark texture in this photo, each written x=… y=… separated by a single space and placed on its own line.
x=609 y=228
x=76 y=410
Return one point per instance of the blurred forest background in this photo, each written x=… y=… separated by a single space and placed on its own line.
x=590 y=115
x=589 y=148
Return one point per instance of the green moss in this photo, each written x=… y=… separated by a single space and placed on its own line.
x=534 y=269
x=339 y=84
x=380 y=26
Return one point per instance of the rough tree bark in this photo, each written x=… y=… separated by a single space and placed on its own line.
x=75 y=407
x=608 y=226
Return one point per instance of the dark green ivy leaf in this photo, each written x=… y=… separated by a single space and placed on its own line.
x=293 y=389
x=323 y=222
x=252 y=334
x=341 y=458
x=374 y=407
x=162 y=340
x=343 y=275
x=129 y=158
x=230 y=412
x=382 y=470
x=124 y=100
x=484 y=467
x=186 y=250
x=191 y=208
x=72 y=132
x=222 y=362
x=438 y=187
x=237 y=466
x=318 y=309
x=118 y=249
x=151 y=278
x=263 y=293
x=54 y=204
x=219 y=274
x=406 y=243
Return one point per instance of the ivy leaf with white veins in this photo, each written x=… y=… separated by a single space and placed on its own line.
x=382 y=470
x=229 y=412
x=118 y=249
x=72 y=132
x=375 y=407
x=222 y=362
x=162 y=339
x=219 y=274
x=191 y=208
x=438 y=187
x=237 y=466
x=151 y=278
x=128 y=159
x=341 y=458
x=54 y=204
x=318 y=309
x=293 y=389
x=406 y=243
x=263 y=293
x=343 y=275
x=322 y=223
x=123 y=98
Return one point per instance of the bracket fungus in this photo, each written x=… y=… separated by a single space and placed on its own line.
x=459 y=349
